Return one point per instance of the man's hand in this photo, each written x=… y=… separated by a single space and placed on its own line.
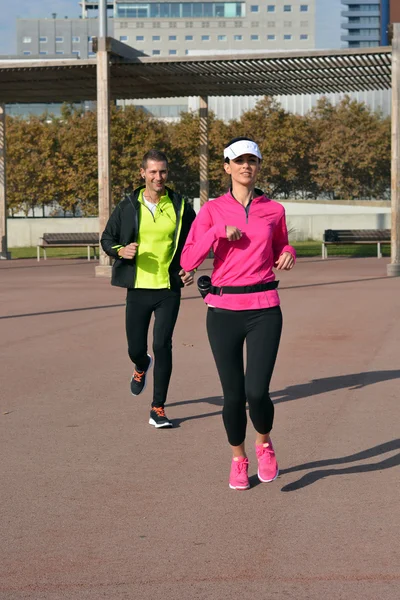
x=285 y=262
x=187 y=278
x=129 y=251
x=233 y=233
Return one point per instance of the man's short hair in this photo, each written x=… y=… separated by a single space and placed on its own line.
x=153 y=155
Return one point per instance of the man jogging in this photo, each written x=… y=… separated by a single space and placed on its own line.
x=145 y=234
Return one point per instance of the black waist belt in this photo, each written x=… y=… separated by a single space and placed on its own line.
x=243 y=289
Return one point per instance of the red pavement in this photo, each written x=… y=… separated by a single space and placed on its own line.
x=97 y=504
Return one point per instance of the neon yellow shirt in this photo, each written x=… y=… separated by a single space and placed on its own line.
x=156 y=244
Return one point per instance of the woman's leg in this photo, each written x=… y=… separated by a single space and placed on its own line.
x=226 y=335
x=262 y=341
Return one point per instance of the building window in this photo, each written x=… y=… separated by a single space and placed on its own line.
x=303 y=7
x=255 y=24
x=254 y=38
x=27 y=40
x=271 y=8
x=156 y=38
x=287 y=36
x=76 y=52
x=304 y=36
x=189 y=24
x=222 y=24
x=238 y=38
x=270 y=37
x=59 y=40
x=43 y=52
x=92 y=53
x=156 y=25
x=238 y=24
x=205 y=24
x=189 y=38
x=172 y=38
x=287 y=8
x=179 y=10
x=27 y=52
x=139 y=25
x=172 y=52
x=271 y=23
x=76 y=39
x=222 y=38
x=59 y=52
x=172 y=25
x=140 y=38
x=122 y=38
x=186 y=52
x=156 y=52
x=43 y=40
x=205 y=38
x=303 y=23
x=287 y=23
x=254 y=8
x=90 y=38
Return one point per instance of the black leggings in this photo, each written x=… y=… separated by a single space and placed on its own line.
x=140 y=305
x=227 y=331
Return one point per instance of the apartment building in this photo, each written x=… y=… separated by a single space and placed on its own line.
x=55 y=37
x=365 y=23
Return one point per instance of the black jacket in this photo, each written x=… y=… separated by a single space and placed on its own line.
x=123 y=227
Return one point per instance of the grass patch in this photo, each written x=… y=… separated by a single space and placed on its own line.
x=311 y=248
x=303 y=249
x=30 y=252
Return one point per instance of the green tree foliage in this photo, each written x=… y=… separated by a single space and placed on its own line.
x=31 y=172
x=352 y=150
x=338 y=151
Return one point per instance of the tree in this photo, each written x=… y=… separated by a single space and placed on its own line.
x=31 y=174
x=352 y=153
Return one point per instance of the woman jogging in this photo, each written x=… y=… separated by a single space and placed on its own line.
x=248 y=235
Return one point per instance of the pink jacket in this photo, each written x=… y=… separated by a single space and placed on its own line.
x=247 y=261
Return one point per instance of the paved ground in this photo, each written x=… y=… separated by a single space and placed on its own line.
x=97 y=504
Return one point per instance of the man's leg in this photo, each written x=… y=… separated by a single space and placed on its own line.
x=138 y=314
x=166 y=310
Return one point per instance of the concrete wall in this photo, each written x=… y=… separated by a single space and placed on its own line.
x=26 y=232
x=312 y=227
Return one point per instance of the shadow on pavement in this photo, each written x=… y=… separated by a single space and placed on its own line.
x=354 y=381
x=314 y=476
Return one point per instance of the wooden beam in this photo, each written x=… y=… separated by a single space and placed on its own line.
x=393 y=269
x=103 y=152
x=204 y=181
x=3 y=197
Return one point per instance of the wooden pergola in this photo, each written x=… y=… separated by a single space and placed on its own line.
x=119 y=72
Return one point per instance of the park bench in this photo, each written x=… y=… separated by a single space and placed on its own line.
x=355 y=236
x=68 y=240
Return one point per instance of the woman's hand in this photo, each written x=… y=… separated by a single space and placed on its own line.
x=232 y=233
x=129 y=251
x=285 y=262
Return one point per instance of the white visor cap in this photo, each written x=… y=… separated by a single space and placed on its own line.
x=242 y=147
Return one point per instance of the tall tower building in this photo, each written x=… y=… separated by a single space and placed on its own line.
x=366 y=23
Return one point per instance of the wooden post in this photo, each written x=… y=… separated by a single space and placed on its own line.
x=103 y=135
x=3 y=197
x=204 y=182
x=393 y=269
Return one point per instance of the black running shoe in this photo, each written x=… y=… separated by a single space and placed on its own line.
x=158 y=418
x=139 y=379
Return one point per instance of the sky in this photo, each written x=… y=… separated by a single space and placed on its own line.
x=10 y=10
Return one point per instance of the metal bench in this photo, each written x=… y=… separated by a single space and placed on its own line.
x=355 y=236
x=68 y=240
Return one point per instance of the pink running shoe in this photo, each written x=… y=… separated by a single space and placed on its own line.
x=267 y=466
x=239 y=479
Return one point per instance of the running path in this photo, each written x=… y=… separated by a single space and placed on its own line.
x=97 y=504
